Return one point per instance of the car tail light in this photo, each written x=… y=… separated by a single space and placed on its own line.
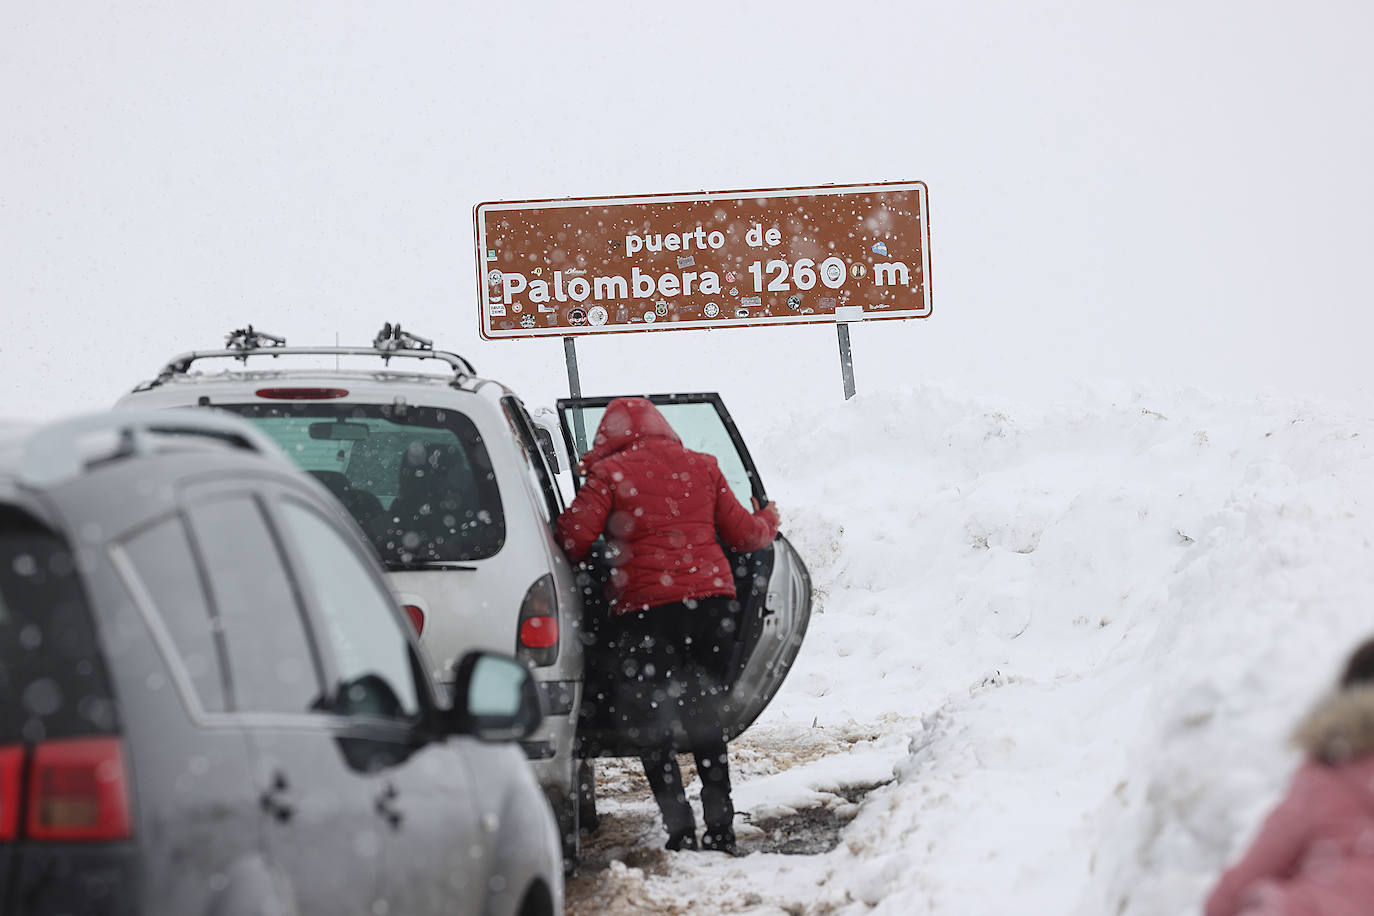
x=302 y=394
x=78 y=790
x=11 y=791
x=537 y=639
x=417 y=618
x=539 y=632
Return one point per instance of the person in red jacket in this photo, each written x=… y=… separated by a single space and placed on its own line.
x=672 y=598
x=1314 y=856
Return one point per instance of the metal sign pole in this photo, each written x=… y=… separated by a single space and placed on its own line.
x=575 y=390
x=846 y=359
x=570 y=354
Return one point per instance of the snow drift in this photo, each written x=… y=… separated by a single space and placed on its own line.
x=1076 y=636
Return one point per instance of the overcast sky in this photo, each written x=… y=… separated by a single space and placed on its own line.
x=1162 y=192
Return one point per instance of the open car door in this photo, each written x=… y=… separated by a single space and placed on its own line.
x=772 y=584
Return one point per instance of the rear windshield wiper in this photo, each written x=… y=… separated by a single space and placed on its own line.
x=398 y=566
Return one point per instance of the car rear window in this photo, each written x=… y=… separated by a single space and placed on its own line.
x=52 y=677
x=418 y=480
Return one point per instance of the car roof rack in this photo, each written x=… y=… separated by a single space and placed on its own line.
x=390 y=342
x=57 y=452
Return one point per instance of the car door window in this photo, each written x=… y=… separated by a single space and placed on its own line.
x=271 y=665
x=360 y=624
x=162 y=561
x=702 y=429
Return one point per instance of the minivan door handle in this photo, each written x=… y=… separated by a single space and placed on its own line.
x=386 y=807
x=273 y=800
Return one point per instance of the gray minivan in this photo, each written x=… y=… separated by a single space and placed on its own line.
x=213 y=705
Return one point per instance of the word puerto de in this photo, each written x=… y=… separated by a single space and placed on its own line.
x=638 y=284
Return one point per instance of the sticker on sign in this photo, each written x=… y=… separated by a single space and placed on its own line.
x=708 y=260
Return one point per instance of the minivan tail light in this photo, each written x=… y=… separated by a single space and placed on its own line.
x=78 y=791
x=11 y=791
x=417 y=618
x=536 y=641
x=539 y=632
x=302 y=394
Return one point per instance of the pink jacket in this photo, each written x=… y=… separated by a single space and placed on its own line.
x=661 y=506
x=1314 y=856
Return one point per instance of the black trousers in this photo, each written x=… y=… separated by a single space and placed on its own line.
x=672 y=689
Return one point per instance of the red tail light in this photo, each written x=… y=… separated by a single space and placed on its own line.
x=78 y=790
x=536 y=643
x=417 y=618
x=11 y=792
x=302 y=394
x=539 y=632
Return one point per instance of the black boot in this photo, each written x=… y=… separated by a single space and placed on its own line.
x=665 y=778
x=679 y=841
x=713 y=766
x=722 y=841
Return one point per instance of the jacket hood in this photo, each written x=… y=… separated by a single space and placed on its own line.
x=1341 y=727
x=627 y=421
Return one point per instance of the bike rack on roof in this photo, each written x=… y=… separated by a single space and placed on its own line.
x=54 y=453
x=390 y=342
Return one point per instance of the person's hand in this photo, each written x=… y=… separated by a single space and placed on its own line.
x=769 y=511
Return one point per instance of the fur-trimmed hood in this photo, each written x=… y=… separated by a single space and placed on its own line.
x=1341 y=727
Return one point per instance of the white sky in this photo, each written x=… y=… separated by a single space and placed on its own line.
x=1160 y=191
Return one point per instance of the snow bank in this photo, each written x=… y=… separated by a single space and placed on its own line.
x=1093 y=625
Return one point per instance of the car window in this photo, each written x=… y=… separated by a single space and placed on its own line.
x=532 y=458
x=52 y=677
x=418 y=481
x=271 y=667
x=701 y=428
x=162 y=560
x=360 y=624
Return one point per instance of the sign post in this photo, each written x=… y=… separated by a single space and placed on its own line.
x=846 y=359
x=575 y=390
x=570 y=356
x=831 y=254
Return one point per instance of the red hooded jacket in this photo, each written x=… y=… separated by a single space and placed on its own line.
x=661 y=506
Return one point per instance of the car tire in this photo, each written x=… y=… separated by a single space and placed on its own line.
x=586 y=797
x=567 y=812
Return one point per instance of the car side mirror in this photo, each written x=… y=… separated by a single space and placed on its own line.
x=494 y=698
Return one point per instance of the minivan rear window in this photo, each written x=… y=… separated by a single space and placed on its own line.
x=52 y=677
x=418 y=480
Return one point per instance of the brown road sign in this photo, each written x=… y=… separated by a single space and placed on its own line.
x=836 y=253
